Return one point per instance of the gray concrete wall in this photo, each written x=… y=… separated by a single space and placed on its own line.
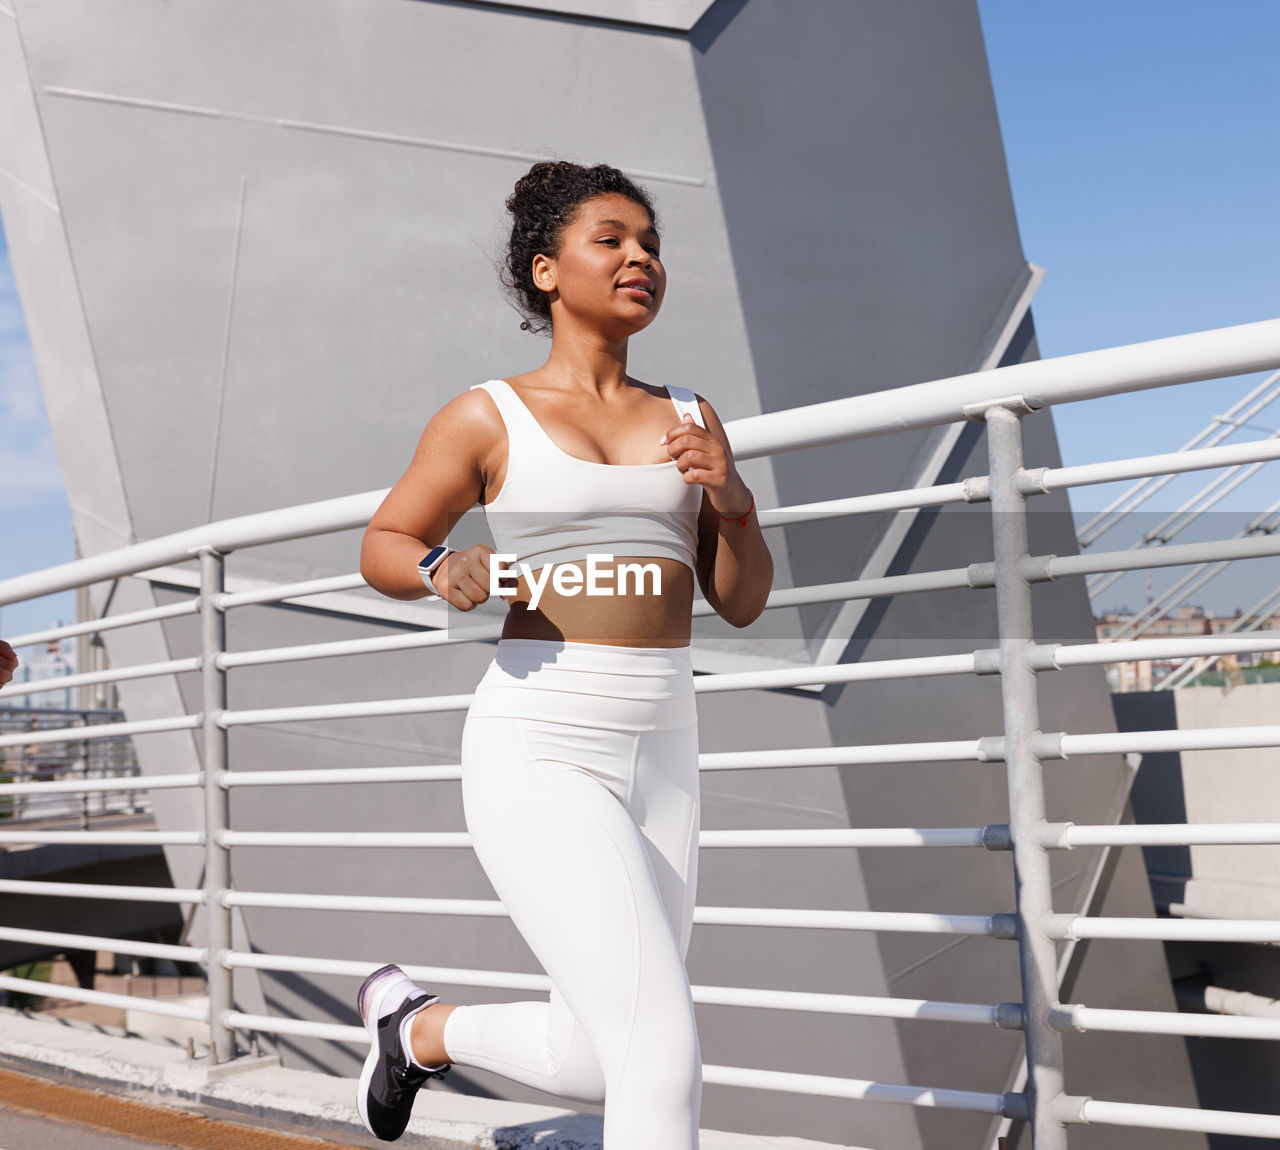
x=1215 y=881
x=256 y=245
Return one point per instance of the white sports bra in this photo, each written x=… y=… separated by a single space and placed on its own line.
x=556 y=508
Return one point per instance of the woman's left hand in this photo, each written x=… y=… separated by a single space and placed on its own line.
x=702 y=458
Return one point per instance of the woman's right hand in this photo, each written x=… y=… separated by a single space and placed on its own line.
x=463 y=577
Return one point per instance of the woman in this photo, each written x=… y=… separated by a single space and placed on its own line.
x=605 y=496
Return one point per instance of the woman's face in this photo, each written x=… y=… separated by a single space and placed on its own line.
x=608 y=273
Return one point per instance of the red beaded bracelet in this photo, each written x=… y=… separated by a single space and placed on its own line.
x=742 y=522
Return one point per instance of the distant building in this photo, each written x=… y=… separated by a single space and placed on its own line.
x=1147 y=674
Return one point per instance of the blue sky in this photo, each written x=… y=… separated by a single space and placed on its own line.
x=1143 y=145
x=35 y=521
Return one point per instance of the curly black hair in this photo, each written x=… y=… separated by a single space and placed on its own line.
x=544 y=201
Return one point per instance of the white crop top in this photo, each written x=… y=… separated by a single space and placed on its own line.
x=556 y=508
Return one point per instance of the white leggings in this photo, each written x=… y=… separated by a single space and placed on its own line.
x=580 y=785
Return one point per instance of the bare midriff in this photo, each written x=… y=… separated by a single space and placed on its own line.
x=636 y=617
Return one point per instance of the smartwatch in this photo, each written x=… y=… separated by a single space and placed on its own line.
x=428 y=564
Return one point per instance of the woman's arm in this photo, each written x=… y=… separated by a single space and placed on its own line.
x=735 y=569
x=443 y=481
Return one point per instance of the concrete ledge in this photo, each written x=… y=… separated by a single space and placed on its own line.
x=260 y=1088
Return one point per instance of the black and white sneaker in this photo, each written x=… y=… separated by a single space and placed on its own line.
x=390 y=1078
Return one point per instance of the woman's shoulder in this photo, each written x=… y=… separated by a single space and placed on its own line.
x=471 y=414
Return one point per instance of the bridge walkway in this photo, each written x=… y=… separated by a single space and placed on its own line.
x=67 y=1080
x=38 y=1114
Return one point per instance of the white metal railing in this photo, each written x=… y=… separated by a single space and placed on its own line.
x=57 y=777
x=1000 y=398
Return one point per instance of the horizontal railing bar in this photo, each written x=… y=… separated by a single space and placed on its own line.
x=1067 y=835
x=1043 y=568
x=1064 y=379
x=1041 y=479
x=323 y=775
x=930 y=1097
x=282 y=591
x=102 y=998
x=452 y=976
x=409 y=840
x=998 y=926
x=1151 y=742
x=833 y=837
x=427 y=705
x=112 y=945
x=812 y=1084
x=958 y=578
x=862 y=1006
x=969 y=750
x=301 y=1028
x=304 y=651
x=108 y=623
x=729 y=681
x=123 y=674
x=1134 y=650
x=1081 y=1017
x=924 y=1010
x=882 y=669
x=93 y=786
x=1177 y=1118
x=919 y=752
x=874 y=920
x=1164 y=929
x=100 y=731
x=470 y=907
x=278 y=526
x=101 y=891
x=372 y=608
x=973 y=490
x=842 y=837
x=964 y=750
x=107 y=838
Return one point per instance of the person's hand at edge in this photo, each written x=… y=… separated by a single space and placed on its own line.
x=8 y=662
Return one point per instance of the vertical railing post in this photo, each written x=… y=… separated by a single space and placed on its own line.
x=1036 y=951
x=217 y=862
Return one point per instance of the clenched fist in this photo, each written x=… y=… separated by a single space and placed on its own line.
x=8 y=662
x=463 y=577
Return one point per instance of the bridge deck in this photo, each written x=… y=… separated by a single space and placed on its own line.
x=253 y=1101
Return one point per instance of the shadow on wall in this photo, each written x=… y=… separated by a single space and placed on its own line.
x=1158 y=795
x=585 y=1131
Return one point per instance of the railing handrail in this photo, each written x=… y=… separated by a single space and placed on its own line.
x=1040 y=383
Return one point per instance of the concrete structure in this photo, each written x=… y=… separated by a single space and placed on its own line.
x=255 y=246
x=1241 y=882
